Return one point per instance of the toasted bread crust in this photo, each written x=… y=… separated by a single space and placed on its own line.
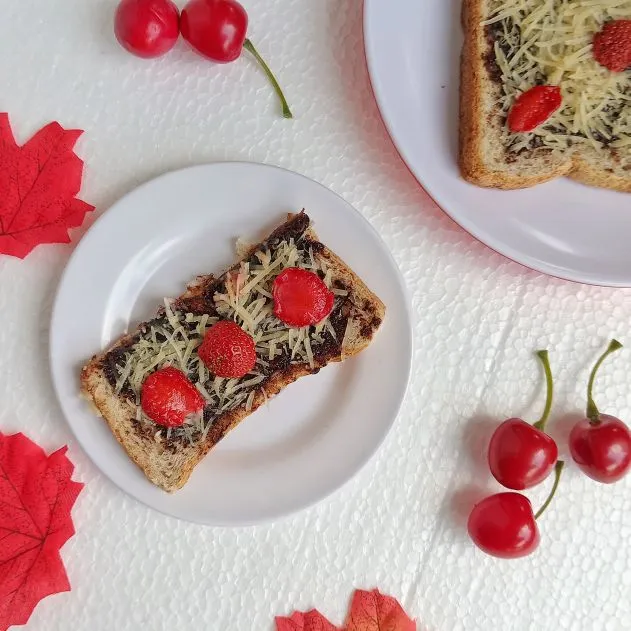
x=479 y=127
x=586 y=173
x=169 y=469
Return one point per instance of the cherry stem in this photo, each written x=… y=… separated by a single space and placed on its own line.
x=592 y=411
x=558 y=468
x=545 y=360
x=249 y=46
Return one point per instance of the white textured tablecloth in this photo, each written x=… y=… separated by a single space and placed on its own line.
x=398 y=525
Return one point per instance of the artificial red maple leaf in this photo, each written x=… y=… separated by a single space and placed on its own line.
x=309 y=621
x=372 y=611
x=38 y=185
x=36 y=496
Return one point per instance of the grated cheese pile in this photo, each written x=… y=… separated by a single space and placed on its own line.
x=550 y=41
x=173 y=341
x=248 y=301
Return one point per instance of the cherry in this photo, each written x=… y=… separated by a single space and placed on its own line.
x=147 y=28
x=601 y=444
x=503 y=525
x=522 y=455
x=217 y=30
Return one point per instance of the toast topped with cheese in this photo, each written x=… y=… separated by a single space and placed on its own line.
x=511 y=46
x=245 y=294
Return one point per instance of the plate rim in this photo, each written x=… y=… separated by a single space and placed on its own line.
x=298 y=506
x=526 y=261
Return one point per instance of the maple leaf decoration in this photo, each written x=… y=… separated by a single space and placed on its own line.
x=310 y=621
x=36 y=496
x=370 y=611
x=38 y=185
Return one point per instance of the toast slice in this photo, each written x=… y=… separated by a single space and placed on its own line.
x=508 y=48
x=112 y=380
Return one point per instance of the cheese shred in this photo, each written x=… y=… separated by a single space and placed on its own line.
x=550 y=42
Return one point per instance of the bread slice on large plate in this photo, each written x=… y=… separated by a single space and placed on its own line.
x=511 y=46
x=112 y=380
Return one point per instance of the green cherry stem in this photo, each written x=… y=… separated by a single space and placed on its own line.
x=545 y=361
x=249 y=46
x=558 y=468
x=592 y=411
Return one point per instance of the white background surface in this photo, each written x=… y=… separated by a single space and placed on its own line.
x=479 y=317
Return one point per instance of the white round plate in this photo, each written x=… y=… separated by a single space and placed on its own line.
x=561 y=228
x=307 y=441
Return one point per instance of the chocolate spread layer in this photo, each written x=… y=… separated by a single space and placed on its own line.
x=493 y=33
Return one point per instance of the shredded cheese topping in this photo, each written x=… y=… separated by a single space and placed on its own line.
x=550 y=41
x=174 y=339
x=248 y=301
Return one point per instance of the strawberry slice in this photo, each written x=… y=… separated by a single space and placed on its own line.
x=534 y=107
x=168 y=398
x=227 y=350
x=612 y=45
x=301 y=298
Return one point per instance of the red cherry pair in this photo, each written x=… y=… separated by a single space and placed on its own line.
x=520 y=456
x=216 y=29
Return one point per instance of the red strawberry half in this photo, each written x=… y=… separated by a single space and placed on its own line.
x=168 y=398
x=612 y=45
x=227 y=350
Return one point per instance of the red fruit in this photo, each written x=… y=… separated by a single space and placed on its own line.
x=503 y=525
x=301 y=298
x=522 y=455
x=217 y=30
x=227 y=350
x=612 y=45
x=534 y=107
x=168 y=397
x=601 y=444
x=602 y=450
x=147 y=28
